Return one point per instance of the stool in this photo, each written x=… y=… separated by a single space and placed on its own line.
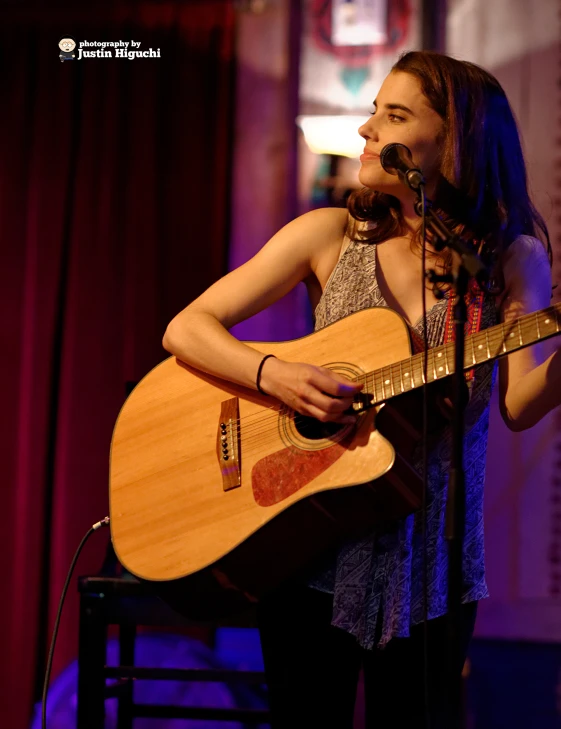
x=127 y=603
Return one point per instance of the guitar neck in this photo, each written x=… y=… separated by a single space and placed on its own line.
x=489 y=344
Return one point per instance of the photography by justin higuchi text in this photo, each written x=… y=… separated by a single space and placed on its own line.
x=71 y=50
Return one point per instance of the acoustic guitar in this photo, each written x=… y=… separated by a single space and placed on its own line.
x=224 y=492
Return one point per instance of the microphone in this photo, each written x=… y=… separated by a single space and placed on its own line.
x=396 y=159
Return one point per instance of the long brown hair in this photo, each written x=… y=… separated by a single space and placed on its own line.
x=483 y=188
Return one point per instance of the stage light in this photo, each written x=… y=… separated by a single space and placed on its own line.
x=325 y=134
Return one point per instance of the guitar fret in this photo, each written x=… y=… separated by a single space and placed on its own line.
x=443 y=368
x=370 y=386
x=557 y=321
x=504 y=337
x=487 y=343
x=538 y=325
x=434 y=356
x=520 y=333
x=473 y=357
x=407 y=376
x=401 y=377
x=419 y=369
x=556 y=317
x=511 y=336
x=412 y=363
x=391 y=380
x=376 y=386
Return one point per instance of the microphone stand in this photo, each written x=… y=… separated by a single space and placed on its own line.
x=466 y=264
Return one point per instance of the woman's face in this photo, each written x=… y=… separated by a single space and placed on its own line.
x=401 y=114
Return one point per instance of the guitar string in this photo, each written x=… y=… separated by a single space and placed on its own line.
x=306 y=426
x=259 y=434
x=259 y=437
x=487 y=340
x=376 y=378
x=373 y=380
x=490 y=341
x=272 y=437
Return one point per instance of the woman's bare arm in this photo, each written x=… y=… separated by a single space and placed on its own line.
x=199 y=334
x=529 y=386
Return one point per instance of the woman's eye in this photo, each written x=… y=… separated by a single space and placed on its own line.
x=391 y=117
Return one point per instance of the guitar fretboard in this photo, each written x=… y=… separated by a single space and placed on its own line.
x=400 y=377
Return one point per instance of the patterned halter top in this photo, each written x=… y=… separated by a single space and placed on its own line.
x=377 y=582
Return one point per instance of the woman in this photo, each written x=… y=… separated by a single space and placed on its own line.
x=363 y=605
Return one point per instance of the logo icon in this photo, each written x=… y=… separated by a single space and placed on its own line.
x=67 y=46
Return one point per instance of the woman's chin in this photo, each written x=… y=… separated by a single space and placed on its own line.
x=374 y=182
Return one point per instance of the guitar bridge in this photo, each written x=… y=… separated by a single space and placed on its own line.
x=228 y=444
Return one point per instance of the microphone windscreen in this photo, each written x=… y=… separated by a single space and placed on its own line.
x=391 y=156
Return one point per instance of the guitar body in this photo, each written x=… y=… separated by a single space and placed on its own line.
x=223 y=531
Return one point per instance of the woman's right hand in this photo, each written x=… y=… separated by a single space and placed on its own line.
x=309 y=390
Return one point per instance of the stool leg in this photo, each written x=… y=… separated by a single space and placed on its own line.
x=127 y=635
x=91 y=663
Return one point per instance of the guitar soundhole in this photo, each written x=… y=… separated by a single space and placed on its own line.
x=313 y=429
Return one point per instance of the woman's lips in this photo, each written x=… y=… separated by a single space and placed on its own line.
x=366 y=156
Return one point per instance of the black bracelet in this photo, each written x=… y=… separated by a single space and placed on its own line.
x=259 y=369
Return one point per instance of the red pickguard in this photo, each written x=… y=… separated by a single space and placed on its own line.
x=281 y=474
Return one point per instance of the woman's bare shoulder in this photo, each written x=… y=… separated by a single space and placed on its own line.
x=333 y=222
x=332 y=228
x=525 y=248
x=524 y=256
x=527 y=274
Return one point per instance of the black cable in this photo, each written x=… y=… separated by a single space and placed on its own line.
x=425 y=470
x=91 y=530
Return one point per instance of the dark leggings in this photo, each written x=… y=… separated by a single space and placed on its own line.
x=312 y=668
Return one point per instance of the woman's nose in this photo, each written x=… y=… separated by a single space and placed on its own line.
x=367 y=130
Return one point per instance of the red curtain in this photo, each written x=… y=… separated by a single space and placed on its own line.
x=113 y=216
